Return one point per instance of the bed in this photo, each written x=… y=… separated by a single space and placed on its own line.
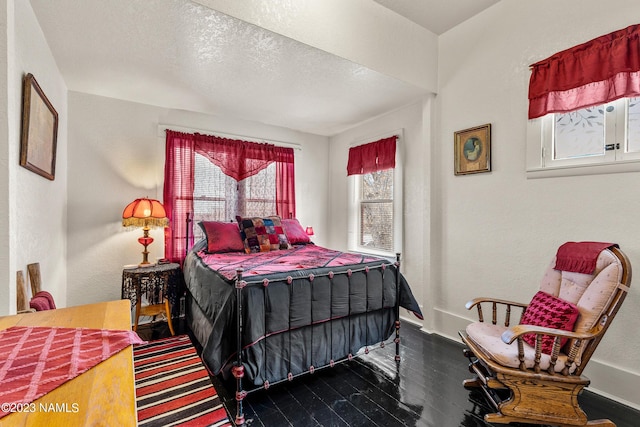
x=267 y=317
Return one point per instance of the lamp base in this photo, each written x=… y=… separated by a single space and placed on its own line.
x=145 y=241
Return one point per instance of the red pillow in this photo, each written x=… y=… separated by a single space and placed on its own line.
x=222 y=236
x=39 y=303
x=48 y=297
x=294 y=231
x=550 y=312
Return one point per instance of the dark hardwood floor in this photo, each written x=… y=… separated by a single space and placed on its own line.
x=424 y=389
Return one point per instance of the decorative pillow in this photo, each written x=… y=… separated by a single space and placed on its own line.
x=550 y=312
x=295 y=233
x=222 y=236
x=262 y=234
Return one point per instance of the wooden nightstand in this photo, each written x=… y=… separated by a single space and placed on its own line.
x=161 y=284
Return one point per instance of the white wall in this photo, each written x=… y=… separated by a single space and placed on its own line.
x=116 y=154
x=7 y=275
x=34 y=208
x=497 y=231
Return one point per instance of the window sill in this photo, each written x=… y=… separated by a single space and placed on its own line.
x=366 y=251
x=580 y=170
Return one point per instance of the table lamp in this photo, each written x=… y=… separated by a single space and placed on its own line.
x=145 y=213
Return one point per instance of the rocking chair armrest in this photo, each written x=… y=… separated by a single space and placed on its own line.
x=511 y=334
x=469 y=305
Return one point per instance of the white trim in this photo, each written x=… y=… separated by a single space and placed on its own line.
x=163 y=127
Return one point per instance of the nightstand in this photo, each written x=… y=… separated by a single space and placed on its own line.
x=161 y=284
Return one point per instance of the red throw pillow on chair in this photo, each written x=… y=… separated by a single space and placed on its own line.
x=48 y=297
x=39 y=303
x=550 y=312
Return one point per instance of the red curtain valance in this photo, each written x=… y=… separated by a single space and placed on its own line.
x=372 y=157
x=237 y=158
x=598 y=71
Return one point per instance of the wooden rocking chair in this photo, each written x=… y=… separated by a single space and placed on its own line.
x=538 y=381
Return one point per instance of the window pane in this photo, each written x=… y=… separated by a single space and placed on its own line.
x=633 y=125
x=579 y=133
x=377 y=185
x=218 y=197
x=376 y=220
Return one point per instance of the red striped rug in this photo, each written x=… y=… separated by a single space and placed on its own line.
x=173 y=387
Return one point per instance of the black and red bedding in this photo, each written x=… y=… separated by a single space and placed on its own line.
x=303 y=308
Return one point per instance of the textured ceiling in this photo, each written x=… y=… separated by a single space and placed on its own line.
x=179 y=54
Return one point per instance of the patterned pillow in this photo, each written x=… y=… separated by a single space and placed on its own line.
x=263 y=234
x=294 y=231
x=222 y=236
x=550 y=312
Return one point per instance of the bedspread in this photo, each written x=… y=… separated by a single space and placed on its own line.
x=302 y=307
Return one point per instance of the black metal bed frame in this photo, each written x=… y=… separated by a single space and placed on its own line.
x=238 y=370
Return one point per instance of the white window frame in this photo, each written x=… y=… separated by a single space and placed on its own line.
x=353 y=190
x=540 y=163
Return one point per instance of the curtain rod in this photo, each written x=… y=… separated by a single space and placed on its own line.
x=398 y=133
x=163 y=127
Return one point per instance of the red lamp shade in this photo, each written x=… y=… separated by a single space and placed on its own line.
x=145 y=213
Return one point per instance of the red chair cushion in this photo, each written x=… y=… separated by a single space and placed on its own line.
x=48 y=297
x=550 y=312
x=39 y=303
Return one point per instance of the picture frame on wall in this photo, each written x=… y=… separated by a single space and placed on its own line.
x=39 y=130
x=472 y=150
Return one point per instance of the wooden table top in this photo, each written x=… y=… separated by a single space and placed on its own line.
x=102 y=396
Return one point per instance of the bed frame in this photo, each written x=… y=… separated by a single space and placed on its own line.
x=238 y=369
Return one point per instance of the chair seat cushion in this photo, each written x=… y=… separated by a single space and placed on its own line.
x=489 y=337
x=48 y=297
x=550 y=312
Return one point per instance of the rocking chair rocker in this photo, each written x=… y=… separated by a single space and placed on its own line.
x=532 y=372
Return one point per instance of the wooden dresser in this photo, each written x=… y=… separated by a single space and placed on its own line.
x=102 y=396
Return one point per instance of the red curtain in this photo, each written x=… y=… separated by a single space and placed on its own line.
x=598 y=71
x=178 y=191
x=236 y=158
x=372 y=157
x=285 y=183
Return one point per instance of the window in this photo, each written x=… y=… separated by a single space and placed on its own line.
x=261 y=179
x=218 y=197
x=375 y=208
x=603 y=135
x=583 y=115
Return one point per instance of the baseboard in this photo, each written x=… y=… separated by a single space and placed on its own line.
x=606 y=380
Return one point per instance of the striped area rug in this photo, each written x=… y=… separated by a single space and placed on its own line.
x=173 y=387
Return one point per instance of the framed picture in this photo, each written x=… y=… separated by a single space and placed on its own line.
x=39 y=130
x=472 y=150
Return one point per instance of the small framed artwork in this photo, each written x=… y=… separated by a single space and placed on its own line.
x=472 y=150
x=39 y=130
